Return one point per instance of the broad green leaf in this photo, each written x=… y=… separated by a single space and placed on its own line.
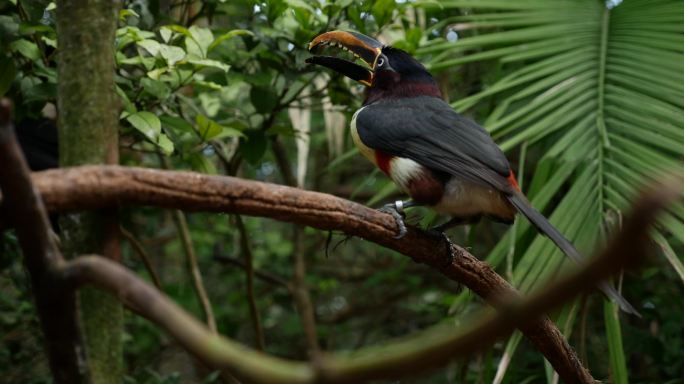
x=156 y=88
x=157 y=73
x=176 y=123
x=200 y=163
x=207 y=128
x=41 y=92
x=209 y=63
x=146 y=123
x=151 y=46
x=263 y=99
x=125 y=13
x=198 y=41
x=26 y=48
x=229 y=35
x=171 y=54
x=7 y=73
x=165 y=144
x=165 y=34
x=128 y=106
x=253 y=146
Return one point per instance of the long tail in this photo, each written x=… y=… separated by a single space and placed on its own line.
x=520 y=202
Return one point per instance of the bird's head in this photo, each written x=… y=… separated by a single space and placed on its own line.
x=386 y=71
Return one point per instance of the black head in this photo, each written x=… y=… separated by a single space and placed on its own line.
x=395 y=67
x=389 y=72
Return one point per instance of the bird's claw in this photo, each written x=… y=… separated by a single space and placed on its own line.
x=396 y=209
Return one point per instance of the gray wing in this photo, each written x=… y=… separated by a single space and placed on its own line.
x=426 y=130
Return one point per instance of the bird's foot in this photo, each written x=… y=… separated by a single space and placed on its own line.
x=396 y=209
x=451 y=255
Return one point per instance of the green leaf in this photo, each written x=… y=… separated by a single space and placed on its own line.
x=382 y=11
x=166 y=34
x=616 y=352
x=198 y=41
x=26 y=48
x=201 y=163
x=49 y=42
x=149 y=125
x=209 y=63
x=151 y=46
x=207 y=128
x=210 y=130
x=171 y=54
x=253 y=146
x=165 y=144
x=146 y=123
x=210 y=102
x=127 y=105
x=7 y=73
x=229 y=35
x=176 y=124
x=263 y=99
x=127 y=12
x=156 y=88
x=156 y=73
x=41 y=92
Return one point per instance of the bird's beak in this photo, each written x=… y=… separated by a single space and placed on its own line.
x=360 y=46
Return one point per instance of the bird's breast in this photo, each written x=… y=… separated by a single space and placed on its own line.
x=418 y=181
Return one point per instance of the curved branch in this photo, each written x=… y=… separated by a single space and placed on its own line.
x=428 y=349
x=55 y=303
x=94 y=187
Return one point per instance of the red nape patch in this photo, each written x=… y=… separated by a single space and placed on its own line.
x=383 y=161
x=512 y=181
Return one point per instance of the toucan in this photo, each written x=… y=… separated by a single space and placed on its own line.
x=441 y=159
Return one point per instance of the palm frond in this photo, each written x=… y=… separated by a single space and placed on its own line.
x=599 y=91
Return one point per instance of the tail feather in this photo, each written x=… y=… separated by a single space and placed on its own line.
x=538 y=220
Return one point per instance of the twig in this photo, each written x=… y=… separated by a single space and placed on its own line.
x=191 y=258
x=135 y=244
x=302 y=295
x=101 y=186
x=428 y=350
x=198 y=285
x=56 y=303
x=263 y=275
x=249 y=279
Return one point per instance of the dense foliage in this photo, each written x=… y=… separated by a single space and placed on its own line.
x=585 y=97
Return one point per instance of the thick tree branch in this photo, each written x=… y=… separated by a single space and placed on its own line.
x=94 y=187
x=422 y=352
x=55 y=303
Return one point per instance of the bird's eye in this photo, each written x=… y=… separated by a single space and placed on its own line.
x=381 y=62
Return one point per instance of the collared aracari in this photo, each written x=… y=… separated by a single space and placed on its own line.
x=440 y=158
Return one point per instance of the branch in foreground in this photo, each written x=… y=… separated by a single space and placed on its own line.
x=94 y=187
x=422 y=352
x=55 y=303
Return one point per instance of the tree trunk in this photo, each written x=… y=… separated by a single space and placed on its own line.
x=88 y=125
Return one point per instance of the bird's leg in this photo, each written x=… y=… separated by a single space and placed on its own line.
x=396 y=209
x=453 y=222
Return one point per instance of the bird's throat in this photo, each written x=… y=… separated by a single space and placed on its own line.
x=402 y=89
